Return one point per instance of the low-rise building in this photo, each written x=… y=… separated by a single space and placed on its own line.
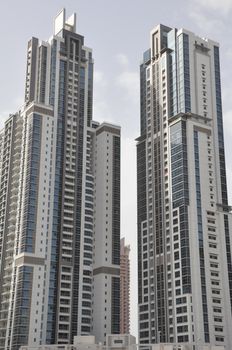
x=121 y=342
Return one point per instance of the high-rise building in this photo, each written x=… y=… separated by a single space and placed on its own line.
x=124 y=288
x=59 y=203
x=184 y=242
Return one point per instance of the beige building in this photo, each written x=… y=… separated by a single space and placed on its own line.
x=124 y=288
x=59 y=203
x=120 y=342
x=184 y=220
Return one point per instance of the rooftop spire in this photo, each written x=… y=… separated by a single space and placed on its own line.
x=61 y=22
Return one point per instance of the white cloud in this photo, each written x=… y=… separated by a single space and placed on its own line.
x=226 y=97
x=101 y=106
x=3 y=117
x=229 y=53
x=227 y=116
x=210 y=15
x=122 y=59
x=206 y=23
x=102 y=111
x=229 y=183
x=16 y=106
x=129 y=82
x=99 y=79
x=223 y=6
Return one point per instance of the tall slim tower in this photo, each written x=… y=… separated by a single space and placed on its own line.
x=184 y=242
x=59 y=202
x=124 y=288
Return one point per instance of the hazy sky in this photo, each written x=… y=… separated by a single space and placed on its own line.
x=118 y=33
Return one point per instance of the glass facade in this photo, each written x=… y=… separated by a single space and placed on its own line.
x=222 y=164
x=201 y=239
x=53 y=73
x=42 y=73
x=115 y=305
x=180 y=196
x=183 y=73
x=142 y=206
x=228 y=253
x=52 y=305
x=173 y=73
x=31 y=190
x=116 y=202
x=220 y=126
x=22 y=308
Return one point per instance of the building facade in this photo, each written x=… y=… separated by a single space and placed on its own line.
x=121 y=342
x=124 y=288
x=113 y=342
x=60 y=202
x=184 y=242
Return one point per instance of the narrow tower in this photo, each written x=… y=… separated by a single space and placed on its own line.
x=184 y=242
x=124 y=288
x=57 y=168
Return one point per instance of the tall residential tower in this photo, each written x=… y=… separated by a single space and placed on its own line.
x=124 y=288
x=59 y=202
x=184 y=242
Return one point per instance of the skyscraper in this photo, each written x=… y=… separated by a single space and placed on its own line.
x=184 y=242
x=124 y=288
x=59 y=202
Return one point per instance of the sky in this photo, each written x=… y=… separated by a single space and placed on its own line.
x=118 y=32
